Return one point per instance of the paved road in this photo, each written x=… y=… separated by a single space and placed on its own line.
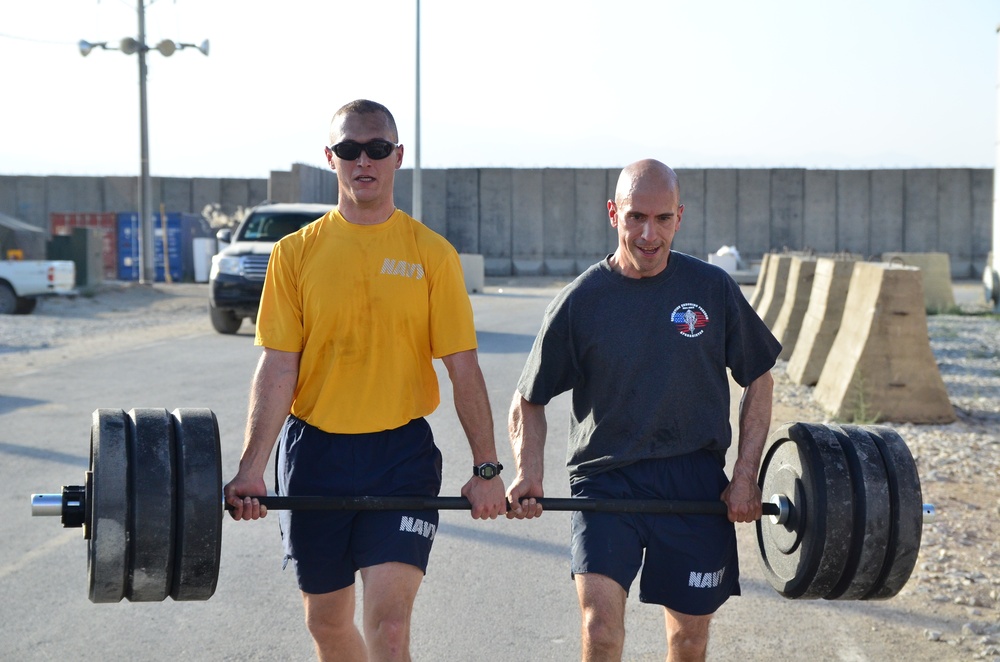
x=495 y=590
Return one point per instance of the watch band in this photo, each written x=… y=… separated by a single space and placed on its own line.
x=487 y=470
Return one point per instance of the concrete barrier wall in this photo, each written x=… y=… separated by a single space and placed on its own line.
x=880 y=366
x=533 y=221
x=495 y=217
x=819 y=217
x=302 y=184
x=527 y=238
x=774 y=285
x=888 y=211
x=788 y=323
x=935 y=275
x=831 y=280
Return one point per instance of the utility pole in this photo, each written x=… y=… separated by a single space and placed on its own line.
x=147 y=271
x=418 y=211
x=128 y=46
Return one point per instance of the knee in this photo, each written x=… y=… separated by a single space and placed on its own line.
x=603 y=631
x=389 y=637
x=388 y=628
x=687 y=645
x=328 y=627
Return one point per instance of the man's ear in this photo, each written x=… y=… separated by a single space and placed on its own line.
x=329 y=157
x=613 y=213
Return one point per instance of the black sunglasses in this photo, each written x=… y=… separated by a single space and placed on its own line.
x=350 y=150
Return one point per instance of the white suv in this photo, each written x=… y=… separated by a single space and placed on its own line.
x=238 y=270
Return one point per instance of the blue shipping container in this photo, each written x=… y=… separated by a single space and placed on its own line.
x=128 y=246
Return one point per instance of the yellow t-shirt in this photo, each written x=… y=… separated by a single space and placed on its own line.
x=368 y=306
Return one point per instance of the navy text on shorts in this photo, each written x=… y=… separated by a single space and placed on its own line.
x=328 y=547
x=690 y=563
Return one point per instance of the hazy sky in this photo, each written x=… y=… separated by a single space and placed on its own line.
x=519 y=83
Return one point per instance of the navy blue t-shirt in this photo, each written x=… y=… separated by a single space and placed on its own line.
x=646 y=360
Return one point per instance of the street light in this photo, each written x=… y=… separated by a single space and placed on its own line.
x=129 y=46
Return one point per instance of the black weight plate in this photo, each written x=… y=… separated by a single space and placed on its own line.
x=199 y=504
x=871 y=514
x=805 y=557
x=107 y=547
x=907 y=505
x=152 y=481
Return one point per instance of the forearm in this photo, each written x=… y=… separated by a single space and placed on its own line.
x=754 y=423
x=271 y=394
x=472 y=404
x=527 y=427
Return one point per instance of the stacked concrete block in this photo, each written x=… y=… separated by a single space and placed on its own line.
x=821 y=322
x=434 y=200
x=936 y=271
x=65 y=193
x=788 y=322
x=233 y=192
x=819 y=222
x=753 y=212
x=554 y=220
x=775 y=284
x=462 y=208
x=880 y=367
x=787 y=193
x=205 y=194
x=495 y=220
x=527 y=222
x=695 y=237
x=721 y=205
x=955 y=218
x=590 y=218
x=888 y=211
x=853 y=211
x=559 y=221
x=920 y=204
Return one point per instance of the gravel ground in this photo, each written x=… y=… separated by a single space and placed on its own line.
x=957 y=578
x=958 y=571
x=118 y=315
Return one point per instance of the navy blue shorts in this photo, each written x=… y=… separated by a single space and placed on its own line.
x=690 y=564
x=328 y=547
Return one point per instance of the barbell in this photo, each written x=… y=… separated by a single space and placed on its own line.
x=843 y=509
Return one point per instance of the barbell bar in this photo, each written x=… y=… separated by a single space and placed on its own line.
x=646 y=506
x=777 y=510
x=841 y=519
x=71 y=501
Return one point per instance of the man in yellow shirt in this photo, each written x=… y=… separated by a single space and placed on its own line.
x=355 y=307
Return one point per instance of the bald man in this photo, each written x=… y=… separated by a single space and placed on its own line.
x=644 y=340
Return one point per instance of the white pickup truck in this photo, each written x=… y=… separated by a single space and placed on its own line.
x=23 y=281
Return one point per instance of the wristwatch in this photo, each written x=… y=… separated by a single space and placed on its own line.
x=487 y=470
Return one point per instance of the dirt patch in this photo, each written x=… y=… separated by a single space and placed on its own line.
x=116 y=315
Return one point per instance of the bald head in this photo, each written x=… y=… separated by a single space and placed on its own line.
x=646 y=213
x=646 y=175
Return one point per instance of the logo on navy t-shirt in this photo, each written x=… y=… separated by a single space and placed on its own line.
x=690 y=318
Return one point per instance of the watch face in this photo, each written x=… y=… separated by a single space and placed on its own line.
x=487 y=471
